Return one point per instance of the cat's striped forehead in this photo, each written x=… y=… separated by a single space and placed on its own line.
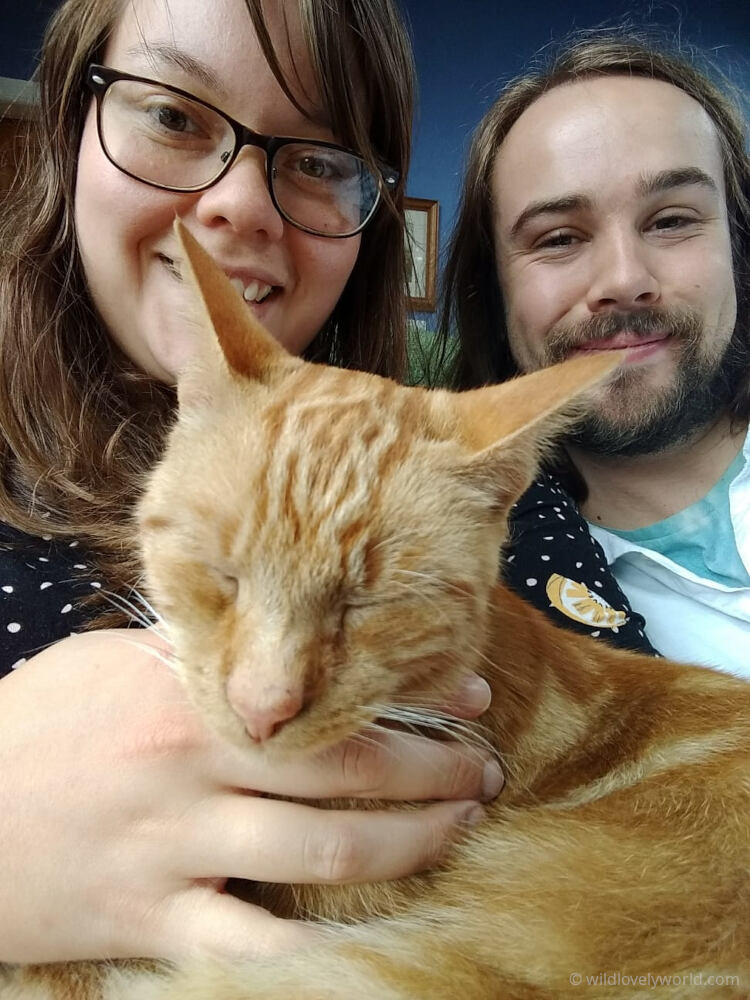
x=334 y=443
x=338 y=461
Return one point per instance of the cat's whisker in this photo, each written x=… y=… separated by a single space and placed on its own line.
x=431 y=578
x=416 y=719
x=427 y=598
x=128 y=607
x=163 y=655
x=418 y=723
x=361 y=736
x=150 y=609
x=388 y=745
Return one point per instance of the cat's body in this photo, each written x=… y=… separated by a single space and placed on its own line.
x=334 y=556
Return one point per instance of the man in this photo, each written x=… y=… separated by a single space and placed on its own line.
x=607 y=207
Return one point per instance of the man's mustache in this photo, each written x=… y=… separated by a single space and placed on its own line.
x=684 y=325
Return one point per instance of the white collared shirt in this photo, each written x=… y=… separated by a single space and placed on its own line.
x=689 y=617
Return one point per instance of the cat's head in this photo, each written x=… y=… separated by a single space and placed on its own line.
x=323 y=543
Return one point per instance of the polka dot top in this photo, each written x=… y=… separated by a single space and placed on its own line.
x=42 y=586
x=552 y=561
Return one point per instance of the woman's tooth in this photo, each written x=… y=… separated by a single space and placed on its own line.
x=251 y=292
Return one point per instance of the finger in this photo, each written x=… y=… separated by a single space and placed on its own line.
x=267 y=840
x=389 y=765
x=201 y=921
x=471 y=699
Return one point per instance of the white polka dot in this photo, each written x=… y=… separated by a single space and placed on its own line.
x=98 y=585
x=18 y=663
x=598 y=583
x=548 y=538
x=510 y=559
x=542 y=516
x=66 y=609
x=556 y=509
x=73 y=545
x=578 y=565
x=8 y=589
x=43 y=559
x=45 y=585
x=14 y=627
x=80 y=566
x=596 y=633
x=531 y=582
x=570 y=536
x=545 y=558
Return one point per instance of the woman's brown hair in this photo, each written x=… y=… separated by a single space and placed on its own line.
x=80 y=425
x=473 y=332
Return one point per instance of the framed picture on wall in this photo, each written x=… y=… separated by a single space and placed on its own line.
x=421 y=252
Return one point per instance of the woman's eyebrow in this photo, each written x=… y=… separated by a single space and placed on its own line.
x=164 y=54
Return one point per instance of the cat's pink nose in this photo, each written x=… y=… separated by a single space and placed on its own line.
x=263 y=712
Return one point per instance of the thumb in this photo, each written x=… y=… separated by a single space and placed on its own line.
x=203 y=922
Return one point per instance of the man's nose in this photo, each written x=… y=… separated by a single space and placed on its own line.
x=624 y=275
x=242 y=199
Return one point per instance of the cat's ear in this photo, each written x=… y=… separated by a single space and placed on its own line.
x=509 y=427
x=248 y=348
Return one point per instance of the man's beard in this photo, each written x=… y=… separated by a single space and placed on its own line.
x=636 y=419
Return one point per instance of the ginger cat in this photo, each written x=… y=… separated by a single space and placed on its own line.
x=308 y=523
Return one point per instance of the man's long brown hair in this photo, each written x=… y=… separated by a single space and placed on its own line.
x=80 y=426
x=473 y=331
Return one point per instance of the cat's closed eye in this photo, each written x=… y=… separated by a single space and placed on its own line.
x=225 y=582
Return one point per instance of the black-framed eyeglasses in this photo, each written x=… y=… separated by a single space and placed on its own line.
x=170 y=139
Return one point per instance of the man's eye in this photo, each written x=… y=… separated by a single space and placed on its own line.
x=672 y=222
x=558 y=240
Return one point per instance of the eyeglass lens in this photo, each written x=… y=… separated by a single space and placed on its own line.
x=171 y=141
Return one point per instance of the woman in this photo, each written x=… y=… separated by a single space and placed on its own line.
x=122 y=818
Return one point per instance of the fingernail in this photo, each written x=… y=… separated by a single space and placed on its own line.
x=473 y=816
x=492 y=781
x=475 y=693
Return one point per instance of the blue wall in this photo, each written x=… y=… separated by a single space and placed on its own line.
x=466 y=49
x=23 y=22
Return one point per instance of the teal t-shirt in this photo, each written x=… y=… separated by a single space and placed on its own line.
x=701 y=537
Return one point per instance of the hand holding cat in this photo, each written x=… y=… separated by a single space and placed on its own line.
x=122 y=817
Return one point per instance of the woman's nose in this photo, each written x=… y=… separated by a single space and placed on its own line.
x=242 y=199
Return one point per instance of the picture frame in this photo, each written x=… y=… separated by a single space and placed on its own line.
x=421 y=217
x=19 y=104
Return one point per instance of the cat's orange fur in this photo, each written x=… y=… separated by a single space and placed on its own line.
x=309 y=523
